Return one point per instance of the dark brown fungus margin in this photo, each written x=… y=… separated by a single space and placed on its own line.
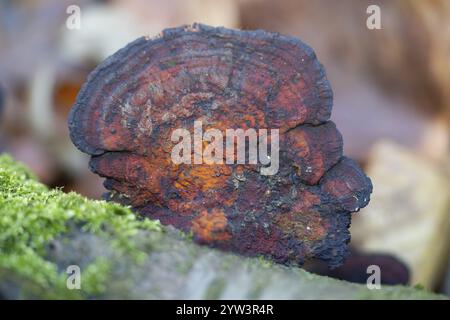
x=131 y=103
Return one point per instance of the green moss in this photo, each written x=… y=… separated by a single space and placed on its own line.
x=31 y=216
x=264 y=262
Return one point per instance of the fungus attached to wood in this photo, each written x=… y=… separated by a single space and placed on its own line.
x=131 y=104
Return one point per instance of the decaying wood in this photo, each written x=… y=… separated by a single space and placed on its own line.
x=130 y=105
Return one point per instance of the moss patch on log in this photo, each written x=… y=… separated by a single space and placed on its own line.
x=32 y=216
x=43 y=231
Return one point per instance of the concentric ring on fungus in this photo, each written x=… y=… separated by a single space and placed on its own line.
x=229 y=79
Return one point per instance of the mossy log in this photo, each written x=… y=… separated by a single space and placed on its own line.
x=44 y=231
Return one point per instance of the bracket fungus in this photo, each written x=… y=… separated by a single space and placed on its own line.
x=128 y=109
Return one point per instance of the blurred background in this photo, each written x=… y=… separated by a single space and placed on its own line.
x=391 y=103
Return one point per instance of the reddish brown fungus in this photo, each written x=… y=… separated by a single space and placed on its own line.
x=131 y=104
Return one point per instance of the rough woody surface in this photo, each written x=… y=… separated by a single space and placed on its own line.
x=130 y=105
x=44 y=231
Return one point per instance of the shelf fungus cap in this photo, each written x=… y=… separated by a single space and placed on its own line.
x=211 y=82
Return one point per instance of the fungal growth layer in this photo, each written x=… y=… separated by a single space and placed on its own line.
x=132 y=103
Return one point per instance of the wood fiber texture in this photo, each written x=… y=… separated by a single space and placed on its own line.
x=131 y=103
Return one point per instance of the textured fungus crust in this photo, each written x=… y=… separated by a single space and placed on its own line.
x=132 y=102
